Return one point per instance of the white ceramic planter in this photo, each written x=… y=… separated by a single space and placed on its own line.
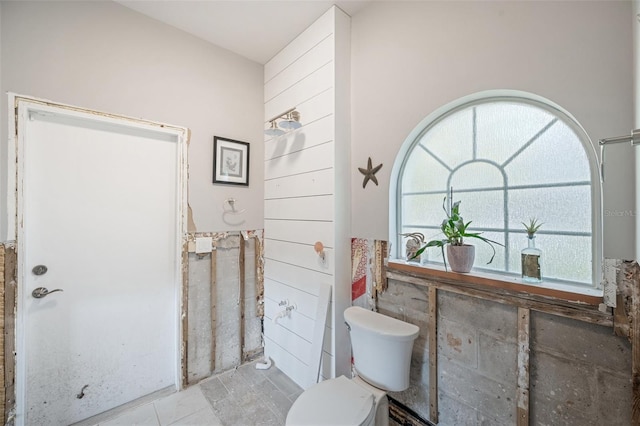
x=461 y=257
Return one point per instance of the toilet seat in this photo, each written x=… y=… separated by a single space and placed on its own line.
x=333 y=402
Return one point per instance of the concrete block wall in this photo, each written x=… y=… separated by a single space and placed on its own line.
x=580 y=372
x=477 y=347
x=409 y=303
x=227 y=345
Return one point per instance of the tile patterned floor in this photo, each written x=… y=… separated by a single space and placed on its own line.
x=244 y=397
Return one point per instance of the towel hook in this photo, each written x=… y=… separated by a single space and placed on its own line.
x=319 y=248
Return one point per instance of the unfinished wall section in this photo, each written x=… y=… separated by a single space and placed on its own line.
x=580 y=372
x=7 y=337
x=217 y=338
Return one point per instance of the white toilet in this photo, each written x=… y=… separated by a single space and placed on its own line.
x=381 y=348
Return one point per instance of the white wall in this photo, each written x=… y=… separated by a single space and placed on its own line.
x=409 y=58
x=307 y=199
x=104 y=56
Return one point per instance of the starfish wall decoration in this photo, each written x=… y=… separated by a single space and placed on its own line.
x=370 y=173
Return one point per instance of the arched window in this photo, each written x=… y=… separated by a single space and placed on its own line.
x=508 y=159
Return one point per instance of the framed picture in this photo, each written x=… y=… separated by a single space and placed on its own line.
x=230 y=161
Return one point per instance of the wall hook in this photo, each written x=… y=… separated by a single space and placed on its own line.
x=319 y=248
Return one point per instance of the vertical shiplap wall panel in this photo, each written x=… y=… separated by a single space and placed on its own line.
x=301 y=183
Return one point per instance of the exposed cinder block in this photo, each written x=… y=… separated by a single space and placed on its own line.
x=417 y=397
x=491 y=317
x=406 y=302
x=457 y=342
x=580 y=341
x=614 y=398
x=409 y=303
x=420 y=355
x=497 y=359
x=579 y=372
x=485 y=419
x=455 y=413
x=475 y=390
x=561 y=389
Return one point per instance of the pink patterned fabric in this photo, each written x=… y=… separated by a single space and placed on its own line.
x=359 y=258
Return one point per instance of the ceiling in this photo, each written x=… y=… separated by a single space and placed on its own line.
x=255 y=29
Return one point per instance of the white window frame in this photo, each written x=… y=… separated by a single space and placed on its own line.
x=516 y=96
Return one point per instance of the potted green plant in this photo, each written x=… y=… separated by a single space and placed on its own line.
x=455 y=230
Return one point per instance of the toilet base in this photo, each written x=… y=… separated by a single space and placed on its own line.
x=380 y=399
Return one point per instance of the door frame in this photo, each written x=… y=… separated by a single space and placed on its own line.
x=19 y=108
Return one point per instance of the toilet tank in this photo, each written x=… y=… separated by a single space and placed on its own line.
x=381 y=348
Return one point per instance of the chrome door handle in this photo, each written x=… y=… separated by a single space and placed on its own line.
x=41 y=292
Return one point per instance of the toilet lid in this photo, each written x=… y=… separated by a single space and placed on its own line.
x=332 y=402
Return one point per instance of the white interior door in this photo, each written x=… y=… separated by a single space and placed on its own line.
x=100 y=208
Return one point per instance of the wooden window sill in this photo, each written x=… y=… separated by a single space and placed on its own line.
x=548 y=297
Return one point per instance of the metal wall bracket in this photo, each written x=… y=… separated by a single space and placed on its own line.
x=633 y=138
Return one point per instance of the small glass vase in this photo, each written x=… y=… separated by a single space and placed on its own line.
x=531 y=262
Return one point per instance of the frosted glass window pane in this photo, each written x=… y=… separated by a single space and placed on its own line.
x=423 y=173
x=510 y=170
x=560 y=209
x=566 y=258
x=451 y=140
x=563 y=257
x=477 y=175
x=557 y=156
x=484 y=209
x=433 y=254
x=504 y=127
x=484 y=252
x=423 y=209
